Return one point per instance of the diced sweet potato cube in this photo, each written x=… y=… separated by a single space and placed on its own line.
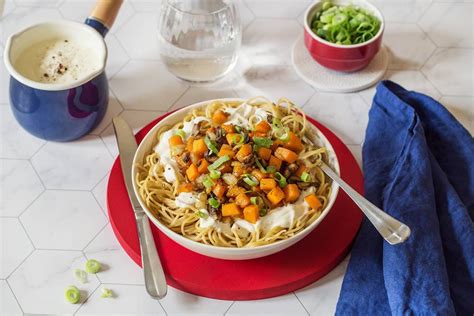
x=262 y=127
x=286 y=154
x=199 y=147
x=274 y=161
x=192 y=172
x=264 y=153
x=242 y=200
x=219 y=117
x=313 y=201
x=267 y=184
x=244 y=152
x=294 y=143
x=292 y=193
x=230 y=209
x=276 y=195
x=251 y=213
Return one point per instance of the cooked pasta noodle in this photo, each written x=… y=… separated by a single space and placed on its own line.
x=195 y=221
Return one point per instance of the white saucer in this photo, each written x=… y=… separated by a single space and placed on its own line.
x=323 y=79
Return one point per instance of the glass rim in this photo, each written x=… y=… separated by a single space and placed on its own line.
x=168 y=2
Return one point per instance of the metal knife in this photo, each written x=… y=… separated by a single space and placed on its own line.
x=155 y=281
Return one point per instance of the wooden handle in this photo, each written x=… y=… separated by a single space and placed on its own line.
x=106 y=11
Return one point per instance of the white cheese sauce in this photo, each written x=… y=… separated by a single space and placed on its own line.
x=164 y=150
x=240 y=115
x=284 y=217
x=186 y=199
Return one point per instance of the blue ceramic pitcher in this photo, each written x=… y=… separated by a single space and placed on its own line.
x=69 y=110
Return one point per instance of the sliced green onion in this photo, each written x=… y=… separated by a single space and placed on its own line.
x=208 y=183
x=283 y=134
x=276 y=123
x=80 y=275
x=326 y=5
x=305 y=177
x=216 y=164
x=250 y=180
x=263 y=211
x=203 y=215
x=260 y=166
x=181 y=133
x=345 y=24
x=73 y=295
x=271 y=169
x=280 y=179
x=211 y=145
x=238 y=129
x=238 y=139
x=213 y=202
x=214 y=174
x=106 y=293
x=263 y=141
x=253 y=200
x=92 y=266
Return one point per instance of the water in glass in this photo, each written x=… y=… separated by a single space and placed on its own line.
x=199 y=39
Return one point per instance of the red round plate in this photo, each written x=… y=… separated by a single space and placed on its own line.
x=278 y=274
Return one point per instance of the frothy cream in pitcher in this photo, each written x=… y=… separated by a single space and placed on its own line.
x=57 y=61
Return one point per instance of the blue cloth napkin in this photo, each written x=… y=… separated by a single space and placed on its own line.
x=418 y=163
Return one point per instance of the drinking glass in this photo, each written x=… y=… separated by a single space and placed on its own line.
x=199 y=39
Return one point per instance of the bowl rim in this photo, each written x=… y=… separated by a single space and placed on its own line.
x=308 y=30
x=182 y=239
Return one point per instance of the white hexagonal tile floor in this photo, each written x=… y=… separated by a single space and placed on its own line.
x=8 y=7
x=79 y=10
x=404 y=11
x=19 y=186
x=12 y=253
x=320 y=298
x=132 y=301
x=280 y=10
x=117 y=56
x=445 y=69
x=119 y=268
x=100 y=192
x=147 y=85
x=139 y=36
x=77 y=165
x=146 y=5
x=344 y=114
x=447 y=24
x=269 y=41
x=177 y=302
x=16 y=142
x=40 y=281
x=22 y=17
x=136 y=120
x=63 y=220
x=198 y=94
x=246 y=16
x=409 y=79
x=278 y=306
x=274 y=82
x=462 y=108
x=38 y=3
x=9 y=306
x=408 y=45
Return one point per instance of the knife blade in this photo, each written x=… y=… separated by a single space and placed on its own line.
x=155 y=281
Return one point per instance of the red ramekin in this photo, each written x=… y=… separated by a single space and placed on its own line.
x=346 y=58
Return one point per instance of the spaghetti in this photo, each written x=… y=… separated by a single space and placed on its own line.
x=236 y=174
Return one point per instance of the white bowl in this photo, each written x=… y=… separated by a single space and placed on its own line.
x=146 y=146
